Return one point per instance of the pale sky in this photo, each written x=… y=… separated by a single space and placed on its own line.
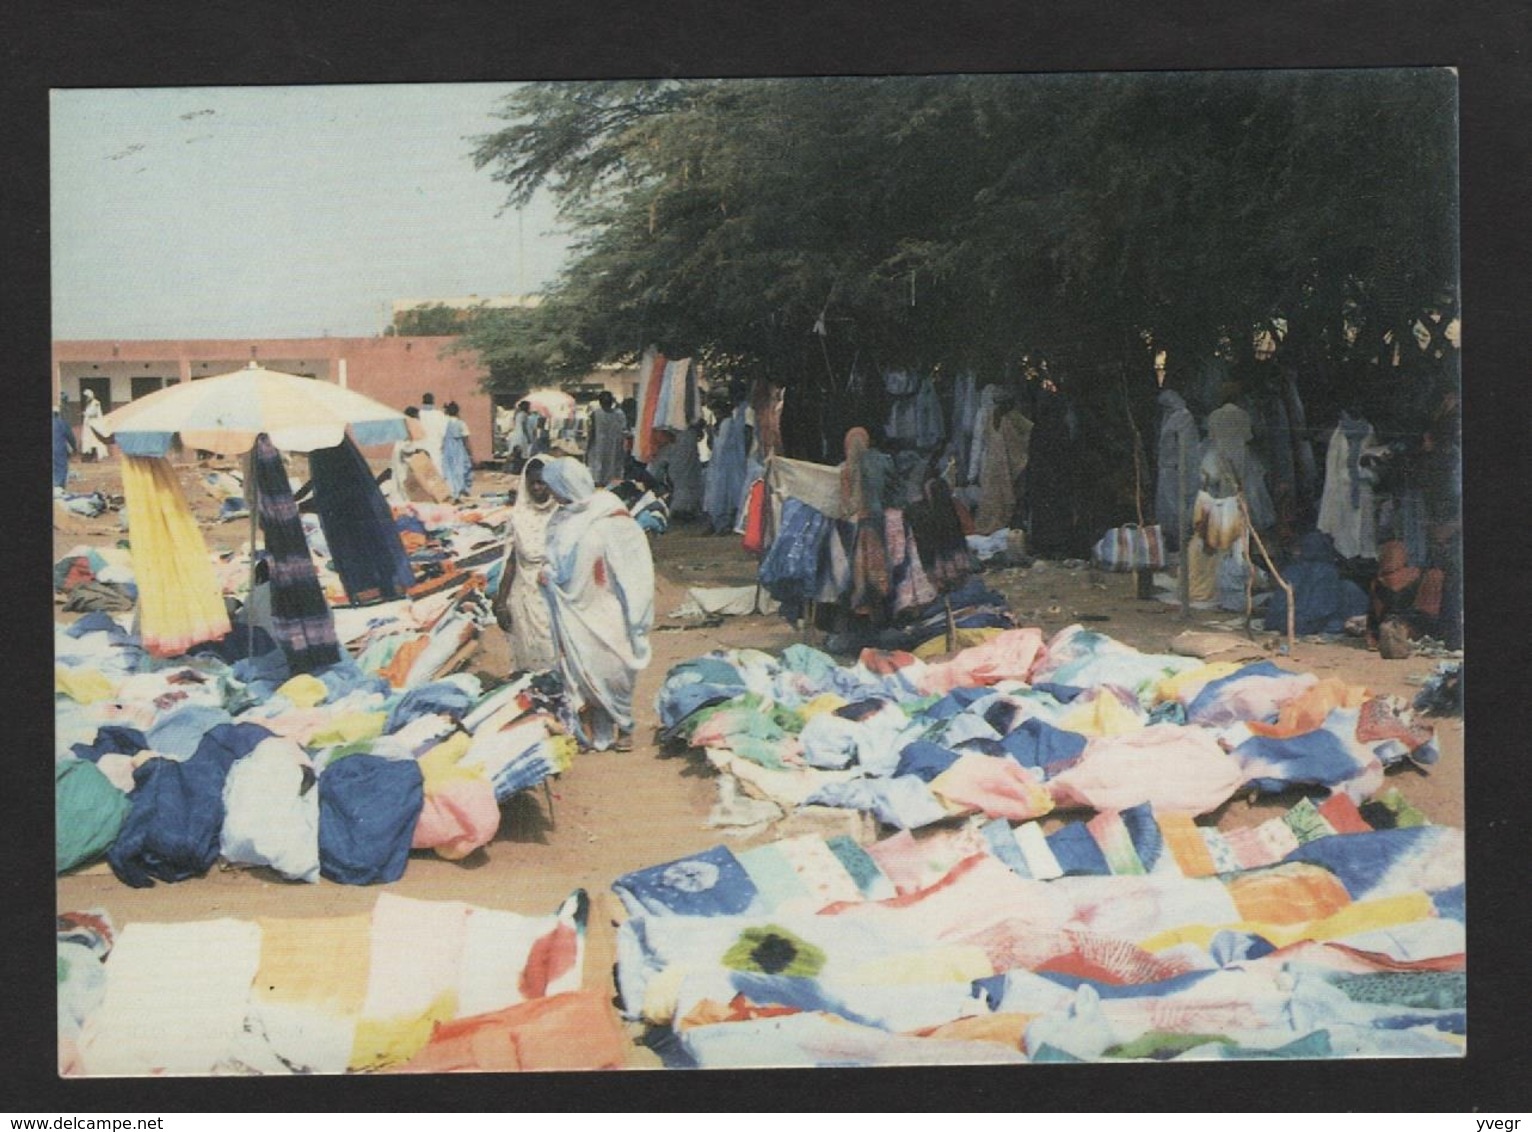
x=244 y=212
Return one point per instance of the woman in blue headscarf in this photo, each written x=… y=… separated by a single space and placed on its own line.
x=457 y=456
x=599 y=584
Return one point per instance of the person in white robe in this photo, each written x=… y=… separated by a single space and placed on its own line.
x=599 y=584
x=519 y=605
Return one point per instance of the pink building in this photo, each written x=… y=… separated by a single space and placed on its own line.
x=393 y=370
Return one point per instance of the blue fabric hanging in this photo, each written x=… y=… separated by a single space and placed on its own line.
x=790 y=570
x=359 y=526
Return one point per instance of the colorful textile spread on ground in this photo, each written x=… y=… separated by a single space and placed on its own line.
x=1134 y=935
x=1015 y=728
x=166 y=766
x=412 y=986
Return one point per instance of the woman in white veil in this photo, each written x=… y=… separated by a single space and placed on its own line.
x=599 y=584
x=519 y=604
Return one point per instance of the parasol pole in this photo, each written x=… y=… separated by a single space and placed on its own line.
x=252 y=491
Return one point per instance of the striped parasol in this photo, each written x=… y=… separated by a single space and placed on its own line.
x=226 y=413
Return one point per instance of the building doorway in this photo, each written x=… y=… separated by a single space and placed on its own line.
x=101 y=388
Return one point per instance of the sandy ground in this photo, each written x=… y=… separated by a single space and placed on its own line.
x=612 y=813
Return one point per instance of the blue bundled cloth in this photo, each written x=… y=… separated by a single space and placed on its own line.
x=693 y=684
x=710 y=883
x=1202 y=710
x=231 y=741
x=172 y=831
x=955 y=702
x=368 y=809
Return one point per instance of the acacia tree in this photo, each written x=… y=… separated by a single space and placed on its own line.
x=966 y=221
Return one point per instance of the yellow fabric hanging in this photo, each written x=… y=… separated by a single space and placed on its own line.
x=179 y=602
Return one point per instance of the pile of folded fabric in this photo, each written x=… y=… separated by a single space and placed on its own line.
x=412 y=986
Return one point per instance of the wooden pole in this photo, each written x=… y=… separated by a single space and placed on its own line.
x=1143 y=577
x=1292 y=637
x=252 y=495
x=1186 y=566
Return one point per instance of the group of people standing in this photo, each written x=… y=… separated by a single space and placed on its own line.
x=576 y=593
x=443 y=436
x=1360 y=517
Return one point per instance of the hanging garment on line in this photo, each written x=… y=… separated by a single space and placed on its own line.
x=178 y=598
x=1346 y=512
x=358 y=526
x=304 y=624
x=790 y=571
x=984 y=411
x=651 y=370
x=965 y=406
x=724 y=480
x=1006 y=449
x=677 y=395
x=939 y=537
x=908 y=583
x=1178 y=435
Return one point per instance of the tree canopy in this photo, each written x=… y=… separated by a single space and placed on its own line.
x=792 y=228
